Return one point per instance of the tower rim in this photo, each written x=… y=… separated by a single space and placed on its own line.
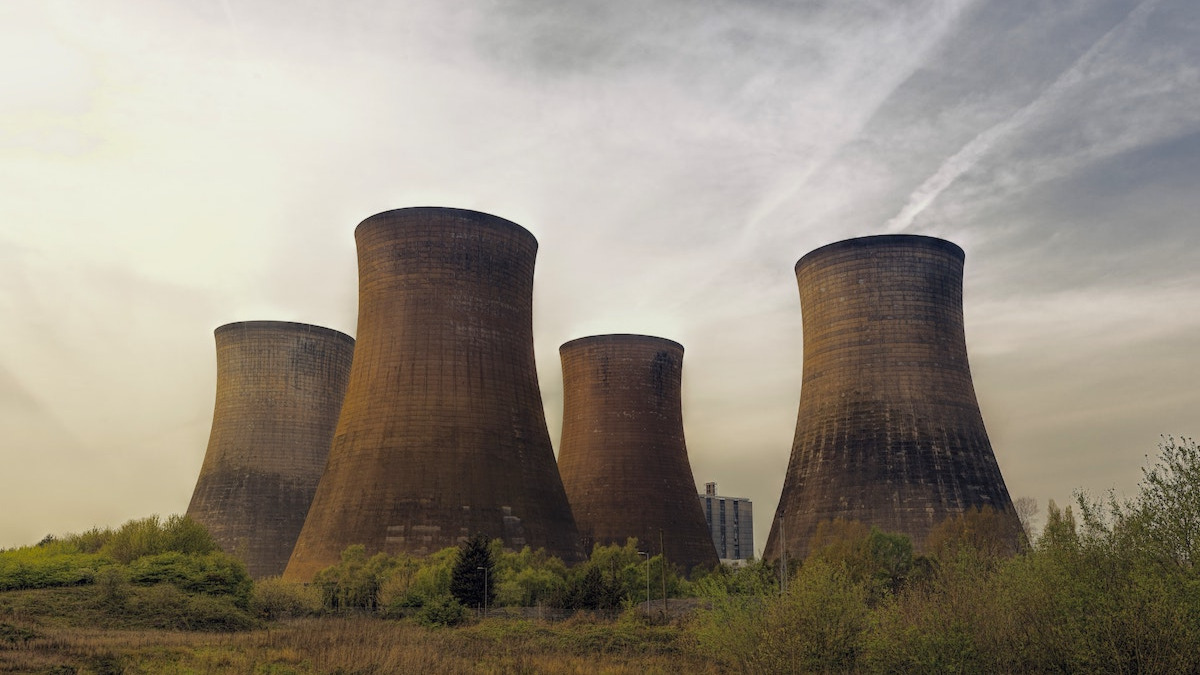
x=281 y=326
x=880 y=241
x=419 y=214
x=618 y=338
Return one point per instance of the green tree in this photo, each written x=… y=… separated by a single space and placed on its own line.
x=1165 y=519
x=473 y=574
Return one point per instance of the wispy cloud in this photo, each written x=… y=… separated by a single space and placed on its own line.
x=980 y=146
x=170 y=167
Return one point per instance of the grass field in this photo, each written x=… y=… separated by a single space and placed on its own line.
x=353 y=646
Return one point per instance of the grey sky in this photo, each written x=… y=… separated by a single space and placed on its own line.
x=171 y=167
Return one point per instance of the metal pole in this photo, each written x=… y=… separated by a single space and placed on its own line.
x=783 y=581
x=647 y=582
x=663 y=551
x=485 y=594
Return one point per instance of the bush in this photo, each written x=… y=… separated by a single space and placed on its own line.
x=444 y=611
x=816 y=627
x=210 y=574
x=47 y=566
x=112 y=586
x=274 y=599
x=355 y=582
x=152 y=536
x=166 y=606
x=946 y=625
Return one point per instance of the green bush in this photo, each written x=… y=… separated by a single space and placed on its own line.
x=947 y=625
x=816 y=627
x=47 y=566
x=274 y=599
x=528 y=578
x=444 y=611
x=152 y=536
x=166 y=606
x=210 y=574
x=112 y=586
x=355 y=582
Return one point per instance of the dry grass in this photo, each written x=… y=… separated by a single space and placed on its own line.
x=353 y=646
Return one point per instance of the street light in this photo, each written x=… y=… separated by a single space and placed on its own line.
x=647 y=555
x=485 y=597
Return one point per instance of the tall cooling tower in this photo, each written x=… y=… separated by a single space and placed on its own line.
x=623 y=458
x=889 y=432
x=279 y=391
x=442 y=435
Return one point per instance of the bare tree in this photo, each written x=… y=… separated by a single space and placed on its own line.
x=1027 y=509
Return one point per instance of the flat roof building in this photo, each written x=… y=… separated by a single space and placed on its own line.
x=730 y=523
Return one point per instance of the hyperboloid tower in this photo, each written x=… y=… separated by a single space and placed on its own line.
x=442 y=434
x=889 y=432
x=279 y=391
x=623 y=458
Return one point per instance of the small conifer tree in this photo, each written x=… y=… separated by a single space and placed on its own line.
x=472 y=582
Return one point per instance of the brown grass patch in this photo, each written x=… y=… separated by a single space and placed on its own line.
x=354 y=646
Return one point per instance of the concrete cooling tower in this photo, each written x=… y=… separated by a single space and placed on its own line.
x=622 y=457
x=442 y=434
x=889 y=432
x=279 y=391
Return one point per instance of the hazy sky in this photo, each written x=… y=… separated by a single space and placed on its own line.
x=168 y=167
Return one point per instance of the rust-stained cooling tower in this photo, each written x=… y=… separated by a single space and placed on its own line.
x=623 y=458
x=279 y=390
x=889 y=432
x=442 y=434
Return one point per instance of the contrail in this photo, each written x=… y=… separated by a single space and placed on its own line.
x=972 y=152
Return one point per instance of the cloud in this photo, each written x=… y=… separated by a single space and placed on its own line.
x=979 y=147
x=180 y=166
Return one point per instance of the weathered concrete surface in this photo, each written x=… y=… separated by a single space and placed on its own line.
x=889 y=432
x=279 y=391
x=623 y=458
x=442 y=434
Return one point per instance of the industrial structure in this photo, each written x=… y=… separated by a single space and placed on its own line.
x=623 y=459
x=279 y=390
x=442 y=435
x=889 y=432
x=730 y=524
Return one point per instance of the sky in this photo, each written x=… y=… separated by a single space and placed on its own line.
x=169 y=167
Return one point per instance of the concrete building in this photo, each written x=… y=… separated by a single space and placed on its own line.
x=442 y=434
x=623 y=458
x=279 y=391
x=889 y=432
x=730 y=524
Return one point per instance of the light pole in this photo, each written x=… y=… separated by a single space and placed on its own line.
x=485 y=597
x=647 y=555
x=783 y=579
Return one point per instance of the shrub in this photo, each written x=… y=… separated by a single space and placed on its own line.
x=211 y=574
x=444 y=611
x=112 y=586
x=355 y=582
x=274 y=599
x=166 y=606
x=946 y=625
x=55 y=564
x=152 y=536
x=993 y=533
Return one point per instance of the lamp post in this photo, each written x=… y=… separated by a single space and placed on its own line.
x=647 y=555
x=783 y=578
x=485 y=593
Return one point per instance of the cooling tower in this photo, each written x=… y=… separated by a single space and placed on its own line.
x=279 y=390
x=442 y=434
x=889 y=432
x=623 y=459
